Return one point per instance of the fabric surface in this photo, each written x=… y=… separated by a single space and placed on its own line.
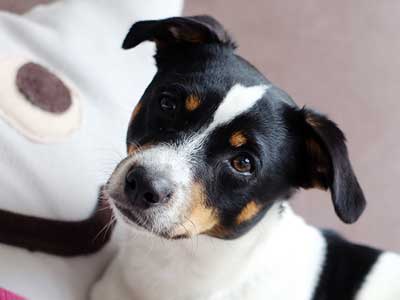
x=79 y=41
x=29 y=102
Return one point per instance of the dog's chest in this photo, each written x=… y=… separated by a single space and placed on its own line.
x=286 y=265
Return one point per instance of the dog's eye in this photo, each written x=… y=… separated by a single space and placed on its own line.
x=167 y=104
x=243 y=163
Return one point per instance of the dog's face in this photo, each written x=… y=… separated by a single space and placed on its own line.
x=212 y=144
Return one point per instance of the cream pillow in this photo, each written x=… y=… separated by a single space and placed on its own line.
x=54 y=158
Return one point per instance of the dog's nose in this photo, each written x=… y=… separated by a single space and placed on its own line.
x=144 y=191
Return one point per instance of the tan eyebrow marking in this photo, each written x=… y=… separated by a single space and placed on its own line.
x=133 y=149
x=192 y=102
x=248 y=212
x=237 y=139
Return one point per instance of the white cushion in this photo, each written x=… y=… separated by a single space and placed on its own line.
x=47 y=176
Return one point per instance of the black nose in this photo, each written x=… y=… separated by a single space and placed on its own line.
x=144 y=191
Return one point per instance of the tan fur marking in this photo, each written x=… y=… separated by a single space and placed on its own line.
x=312 y=121
x=191 y=37
x=238 y=139
x=200 y=218
x=248 y=212
x=320 y=162
x=132 y=148
x=136 y=111
x=218 y=231
x=192 y=103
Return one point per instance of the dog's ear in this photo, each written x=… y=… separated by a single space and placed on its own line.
x=178 y=30
x=326 y=165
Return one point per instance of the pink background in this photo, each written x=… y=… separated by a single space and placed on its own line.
x=343 y=59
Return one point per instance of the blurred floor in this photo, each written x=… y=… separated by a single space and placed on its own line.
x=339 y=57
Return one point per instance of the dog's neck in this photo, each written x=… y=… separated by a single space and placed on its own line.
x=206 y=266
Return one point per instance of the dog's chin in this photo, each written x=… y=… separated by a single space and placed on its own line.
x=140 y=224
x=131 y=219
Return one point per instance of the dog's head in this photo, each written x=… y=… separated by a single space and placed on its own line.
x=212 y=144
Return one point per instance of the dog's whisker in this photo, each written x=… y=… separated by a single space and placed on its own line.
x=104 y=229
x=100 y=209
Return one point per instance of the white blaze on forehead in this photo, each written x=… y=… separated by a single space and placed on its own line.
x=238 y=100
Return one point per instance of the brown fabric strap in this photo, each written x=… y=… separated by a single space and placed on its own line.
x=62 y=238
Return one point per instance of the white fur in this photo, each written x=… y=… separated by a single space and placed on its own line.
x=383 y=282
x=280 y=258
x=238 y=100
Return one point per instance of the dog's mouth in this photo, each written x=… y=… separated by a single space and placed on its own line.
x=144 y=223
x=130 y=217
x=128 y=214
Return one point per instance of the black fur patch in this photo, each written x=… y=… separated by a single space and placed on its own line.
x=346 y=266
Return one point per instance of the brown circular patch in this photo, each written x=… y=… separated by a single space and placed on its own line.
x=43 y=89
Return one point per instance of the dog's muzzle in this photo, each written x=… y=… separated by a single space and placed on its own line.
x=151 y=188
x=144 y=190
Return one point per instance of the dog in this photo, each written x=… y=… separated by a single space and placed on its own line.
x=215 y=151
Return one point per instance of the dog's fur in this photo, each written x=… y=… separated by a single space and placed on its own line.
x=229 y=148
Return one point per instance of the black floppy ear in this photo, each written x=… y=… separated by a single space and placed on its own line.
x=171 y=31
x=327 y=165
